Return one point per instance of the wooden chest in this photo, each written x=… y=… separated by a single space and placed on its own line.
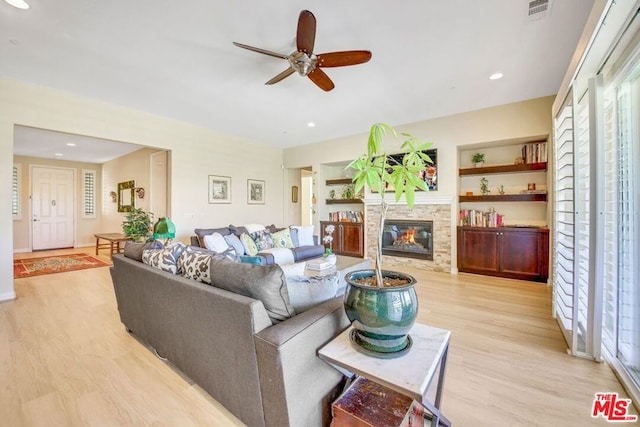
x=368 y=404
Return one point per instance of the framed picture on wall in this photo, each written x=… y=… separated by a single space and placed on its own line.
x=219 y=189
x=255 y=192
x=429 y=174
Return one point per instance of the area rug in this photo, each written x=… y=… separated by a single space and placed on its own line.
x=54 y=264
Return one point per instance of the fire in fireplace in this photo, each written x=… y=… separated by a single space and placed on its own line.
x=408 y=238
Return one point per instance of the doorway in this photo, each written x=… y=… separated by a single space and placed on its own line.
x=52 y=202
x=306 y=194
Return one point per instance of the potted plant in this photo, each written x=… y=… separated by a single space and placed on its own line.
x=478 y=159
x=381 y=325
x=137 y=224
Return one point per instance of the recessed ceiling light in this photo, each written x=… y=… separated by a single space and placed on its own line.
x=70 y=144
x=311 y=124
x=20 y=4
x=496 y=76
x=58 y=154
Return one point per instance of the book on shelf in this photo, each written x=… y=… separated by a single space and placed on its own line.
x=346 y=216
x=533 y=192
x=318 y=265
x=535 y=152
x=476 y=218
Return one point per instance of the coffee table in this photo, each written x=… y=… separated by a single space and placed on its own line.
x=418 y=374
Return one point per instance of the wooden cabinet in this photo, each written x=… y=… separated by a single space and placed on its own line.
x=348 y=238
x=514 y=252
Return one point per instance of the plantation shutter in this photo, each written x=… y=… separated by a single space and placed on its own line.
x=564 y=220
x=16 y=182
x=89 y=182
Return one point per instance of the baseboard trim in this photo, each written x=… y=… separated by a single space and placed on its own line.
x=8 y=296
x=21 y=251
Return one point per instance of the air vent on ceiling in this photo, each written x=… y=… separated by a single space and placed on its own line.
x=539 y=9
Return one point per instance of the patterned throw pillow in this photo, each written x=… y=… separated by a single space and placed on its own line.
x=249 y=245
x=166 y=259
x=196 y=265
x=282 y=239
x=262 y=239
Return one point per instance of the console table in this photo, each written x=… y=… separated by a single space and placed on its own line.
x=113 y=242
x=418 y=374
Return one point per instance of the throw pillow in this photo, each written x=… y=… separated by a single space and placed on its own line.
x=305 y=235
x=196 y=264
x=215 y=242
x=282 y=239
x=238 y=231
x=166 y=259
x=201 y=232
x=134 y=250
x=252 y=228
x=248 y=244
x=262 y=239
x=307 y=292
x=262 y=282
x=294 y=236
x=233 y=241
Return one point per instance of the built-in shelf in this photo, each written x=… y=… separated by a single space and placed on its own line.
x=342 y=201
x=339 y=181
x=504 y=169
x=506 y=198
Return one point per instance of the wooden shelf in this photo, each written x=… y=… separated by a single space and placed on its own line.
x=505 y=198
x=342 y=201
x=339 y=181
x=504 y=169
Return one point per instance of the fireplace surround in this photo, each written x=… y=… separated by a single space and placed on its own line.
x=408 y=238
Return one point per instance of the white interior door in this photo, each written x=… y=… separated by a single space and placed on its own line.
x=159 y=187
x=52 y=208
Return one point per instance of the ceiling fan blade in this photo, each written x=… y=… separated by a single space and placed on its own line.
x=341 y=59
x=263 y=51
x=321 y=79
x=306 y=35
x=286 y=73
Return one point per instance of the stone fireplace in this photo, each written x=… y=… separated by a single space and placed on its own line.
x=408 y=238
x=435 y=210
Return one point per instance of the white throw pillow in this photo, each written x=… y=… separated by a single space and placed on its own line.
x=215 y=242
x=305 y=234
x=252 y=228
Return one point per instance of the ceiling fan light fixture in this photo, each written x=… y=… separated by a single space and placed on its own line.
x=20 y=4
x=496 y=76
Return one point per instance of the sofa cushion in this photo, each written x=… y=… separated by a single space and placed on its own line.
x=307 y=292
x=305 y=235
x=265 y=283
x=281 y=256
x=307 y=252
x=134 y=250
x=201 y=232
x=235 y=243
x=248 y=244
x=166 y=259
x=215 y=242
x=282 y=239
x=262 y=239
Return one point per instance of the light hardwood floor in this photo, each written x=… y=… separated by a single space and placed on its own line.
x=66 y=360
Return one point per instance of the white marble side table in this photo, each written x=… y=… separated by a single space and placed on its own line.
x=418 y=374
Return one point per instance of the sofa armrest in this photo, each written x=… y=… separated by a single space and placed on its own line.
x=289 y=366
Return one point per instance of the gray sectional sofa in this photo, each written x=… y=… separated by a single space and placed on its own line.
x=267 y=373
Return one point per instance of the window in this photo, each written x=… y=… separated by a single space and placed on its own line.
x=89 y=193
x=16 y=202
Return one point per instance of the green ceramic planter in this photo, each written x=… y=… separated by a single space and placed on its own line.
x=381 y=317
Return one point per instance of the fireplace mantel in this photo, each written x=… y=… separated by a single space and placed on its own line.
x=374 y=199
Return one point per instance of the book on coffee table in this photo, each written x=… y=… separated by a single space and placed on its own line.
x=318 y=265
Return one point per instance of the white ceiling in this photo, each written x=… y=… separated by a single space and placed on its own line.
x=430 y=59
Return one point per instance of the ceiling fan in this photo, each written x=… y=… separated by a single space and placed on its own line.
x=305 y=62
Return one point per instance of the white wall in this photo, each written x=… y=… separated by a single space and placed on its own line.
x=196 y=153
